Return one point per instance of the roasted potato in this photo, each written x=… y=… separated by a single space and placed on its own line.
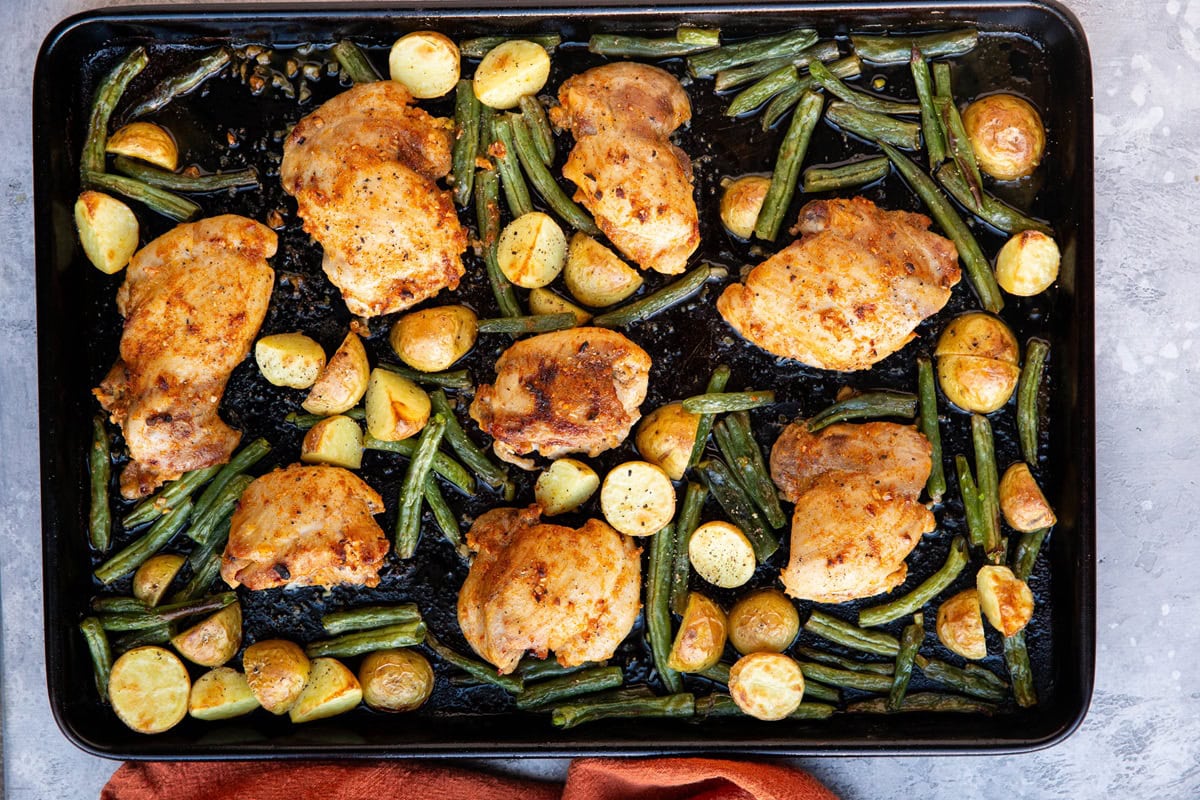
x=343 y=381
x=396 y=407
x=331 y=688
x=665 y=438
x=544 y=301
x=276 y=671
x=289 y=359
x=431 y=340
x=701 y=638
x=722 y=554
x=1005 y=599
x=741 y=201
x=108 y=231
x=334 y=440
x=510 y=71
x=564 y=486
x=960 y=625
x=532 y=250
x=215 y=640
x=395 y=680
x=148 y=689
x=763 y=621
x=595 y=275
x=977 y=358
x=154 y=577
x=1007 y=135
x=637 y=498
x=766 y=686
x=221 y=693
x=427 y=63
x=147 y=142
x=1028 y=264
x=1021 y=499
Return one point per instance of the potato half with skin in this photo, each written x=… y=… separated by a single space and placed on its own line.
x=154 y=577
x=427 y=63
x=215 y=640
x=722 y=554
x=544 y=301
x=396 y=407
x=432 y=339
x=343 y=381
x=637 y=498
x=221 y=693
x=276 y=671
x=763 y=621
x=960 y=625
x=395 y=680
x=331 y=689
x=595 y=275
x=289 y=359
x=1005 y=599
x=334 y=440
x=1028 y=264
x=147 y=142
x=741 y=202
x=665 y=437
x=510 y=71
x=977 y=362
x=108 y=231
x=1025 y=507
x=532 y=250
x=767 y=686
x=148 y=689
x=1007 y=135
x=564 y=486
x=701 y=638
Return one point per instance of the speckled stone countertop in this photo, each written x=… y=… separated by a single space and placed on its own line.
x=1142 y=736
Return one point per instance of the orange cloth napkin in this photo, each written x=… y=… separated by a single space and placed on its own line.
x=587 y=779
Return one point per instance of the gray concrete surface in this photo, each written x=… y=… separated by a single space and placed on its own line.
x=1142 y=737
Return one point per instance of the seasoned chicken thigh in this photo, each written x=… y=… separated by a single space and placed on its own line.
x=193 y=300
x=857 y=515
x=850 y=292
x=362 y=168
x=539 y=587
x=569 y=391
x=636 y=183
x=305 y=526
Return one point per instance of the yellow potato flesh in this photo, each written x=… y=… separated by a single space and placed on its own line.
x=335 y=440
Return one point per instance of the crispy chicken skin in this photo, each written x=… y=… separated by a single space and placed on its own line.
x=857 y=515
x=569 y=391
x=193 y=300
x=850 y=291
x=636 y=183
x=539 y=587
x=305 y=526
x=362 y=168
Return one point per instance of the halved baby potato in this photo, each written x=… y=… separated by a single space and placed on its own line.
x=1028 y=264
x=960 y=625
x=396 y=407
x=154 y=577
x=564 y=486
x=148 y=689
x=741 y=202
x=665 y=437
x=330 y=690
x=1021 y=499
x=544 y=301
x=1005 y=599
x=637 y=498
x=510 y=71
x=108 y=231
x=427 y=63
x=343 y=381
x=289 y=359
x=221 y=693
x=595 y=275
x=215 y=640
x=722 y=554
x=977 y=357
x=701 y=637
x=767 y=686
x=532 y=250
x=763 y=621
x=334 y=440
x=395 y=679
x=276 y=671
x=432 y=339
x=147 y=142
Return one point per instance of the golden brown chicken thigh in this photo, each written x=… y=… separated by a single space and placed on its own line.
x=362 y=168
x=193 y=300
x=850 y=292
x=539 y=587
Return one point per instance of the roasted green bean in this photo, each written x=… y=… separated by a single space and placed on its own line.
x=354 y=62
x=673 y=705
x=168 y=89
x=100 y=652
x=403 y=634
x=970 y=500
x=306 y=421
x=450 y=379
x=846 y=176
x=878 y=128
x=443 y=465
x=686 y=523
x=365 y=618
x=476 y=669
x=565 y=687
x=898 y=49
x=791 y=43
x=163 y=202
x=850 y=635
x=848 y=679
x=504 y=151
x=656 y=302
x=728 y=79
x=658 y=606
x=241 y=461
x=987 y=480
x=737 y=445
x=724 y=402
x=1016 y=658
x=206 y=526
x=1028 y=411
x=991 y=210
x=470 y=453
x=536 y=323
x=487 y=214
x=849 y=67
x=722 y=705
x=968 y=682
x=716 y=384
x=479 y=46
x=931 y=123
x=924 y=701
x=99 y=473
x=408 y=520
x=732 y=498
x=763 y=90
x=184 y=182
x=538 y=124
x=108 y=94
x=910 y=641
x=544 y=181
x=1028 y=547
x=868 y=405
x=136 y=620
x=621 y=46
x=876 y=667
x=466 y=143
x=135 y=553
x=861 y=100
x=787 y=166
x=930 y=588
x=927 y=421
x=169 y=496
x=444 y=516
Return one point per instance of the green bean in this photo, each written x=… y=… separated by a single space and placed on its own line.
x=408 y=520
x=466 y=143
x=99 y=473
x=716 y=384
x=850 y=635
x=183 y=182
x=118 y=605
x=445 y=466
x=503 y=150
x=479 y=47
x=656 y=302
x=155 y=617
x=306 y=421
x=959 y=145
x=658 y=606
x=100 y=652
x=539 y=125
x=941 y=80
x=470 y=453
x=368 y=617
x=971 y=683
x=169 y=496
x=108 y=95
x=354 y=62
x=136 y=553
x=877 y=128
x=241 y=461
x=819 y=691
x=877 y=667
x=1028 y=414
x=910 y=641
x=970 y=500
x=732 y=78
x=787 y=166
x=169 y=205
x=674 y=705
x=924 y=701
x=988 y=483
x=741 y=452
x=868 y=405
x=450 y=379
x=204 y=573
x=846 y=176
x=931 y=124
x=1016 y=658
x=535 y=323
x=566 y=687
x=737 y=505
x=849 y=67
x=148 y=636
x=791 y=43
x=476 y=669
x=686 y=523
x=1028 y=547
x=168 y=89
x=897 y=49
x=927 y=421
x=991 y=210
x=861 y=100
x=540 y=669
x=690 y=34
x=443 y=515
x=621 y=46
x=723 y=402
x=717 y=673
x=763 y=90
x=547 y=187
x=403 y=634
x=849 y=679
x=956 y=560
x=487 y=213
x=722 y=705
x=206 y=526
x=979 y=271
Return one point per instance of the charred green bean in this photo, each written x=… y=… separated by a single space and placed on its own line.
x=930 y=588
x=1028 y=411
x=846 y=176
x=656 y=302
x=787 y=165
x=868 y=405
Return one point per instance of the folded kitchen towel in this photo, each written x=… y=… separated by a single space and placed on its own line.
x=587 y=779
